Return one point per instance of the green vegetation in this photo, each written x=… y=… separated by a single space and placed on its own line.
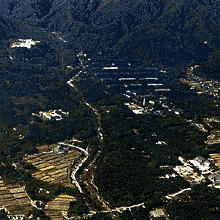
x=78 y=207
x=127 y=172
x=24 y=92
x=210 y=68
x=3 y=215
x=128 y=167
x=29 y=87
x=199 y=203
x=36 y=213
x=98 y=216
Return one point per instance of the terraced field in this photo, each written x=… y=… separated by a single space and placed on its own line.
x=15 y=199
x=52 y=166
x=58 y=208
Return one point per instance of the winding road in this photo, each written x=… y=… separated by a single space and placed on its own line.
x=94 y=189
x=95 y=192
x=73 y=175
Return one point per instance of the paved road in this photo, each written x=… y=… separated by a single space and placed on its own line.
x=104 y=203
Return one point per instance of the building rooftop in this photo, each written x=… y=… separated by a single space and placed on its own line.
x=158 y=213
x=215 y=177
x=52 y=114
x=60 y=150
x=24 y=43
x=200 y=159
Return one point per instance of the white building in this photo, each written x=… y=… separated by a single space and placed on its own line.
x=60 y=150
x=52 y=114
x=215 y=177
x=201 y=163
x=138 y=111
x=24 y=43
x=110 y=68
x=181 y=159
x=157 y=213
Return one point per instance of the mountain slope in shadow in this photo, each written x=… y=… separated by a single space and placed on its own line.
x=166 y=31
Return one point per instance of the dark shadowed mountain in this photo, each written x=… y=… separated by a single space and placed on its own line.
x=162 y=31
x=7 y=28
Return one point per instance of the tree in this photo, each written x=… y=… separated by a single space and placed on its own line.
x=3 y=215
x=183 y=27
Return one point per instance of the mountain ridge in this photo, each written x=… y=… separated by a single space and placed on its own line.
x=108 y=26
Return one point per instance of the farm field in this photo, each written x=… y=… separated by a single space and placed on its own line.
x=14 y=199
x=52 y=166
x=59 y=206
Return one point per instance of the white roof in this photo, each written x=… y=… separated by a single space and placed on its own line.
x=110 y=67
x=24 y=43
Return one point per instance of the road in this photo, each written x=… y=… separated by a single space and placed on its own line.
x=177 y=193
x=73 y=175
x=93 y=188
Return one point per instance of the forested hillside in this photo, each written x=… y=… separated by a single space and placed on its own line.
x=132 y=121
x=165 y=31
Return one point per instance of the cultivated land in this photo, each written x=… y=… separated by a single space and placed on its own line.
x=53 y=167
x=143 y=97
x=59 y=206
x=15 y=199
x=59 y=163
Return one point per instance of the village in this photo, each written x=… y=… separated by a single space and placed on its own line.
x=24 y=43
x=201 y=85
x=55 y=115
x=58 y=163
x=110 y=110
x=151 y=107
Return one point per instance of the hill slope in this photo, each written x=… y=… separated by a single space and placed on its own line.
x=138 y=29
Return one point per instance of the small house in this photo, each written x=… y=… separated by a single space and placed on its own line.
x=215 y=177
x=60 y=150
x=201 y=163
x=158 y=213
